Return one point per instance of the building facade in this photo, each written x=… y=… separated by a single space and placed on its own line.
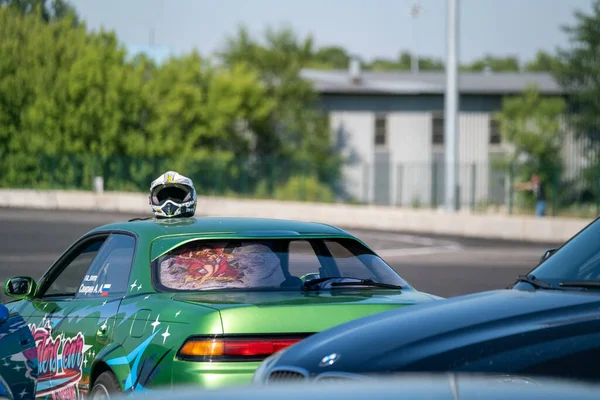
x=389 y=126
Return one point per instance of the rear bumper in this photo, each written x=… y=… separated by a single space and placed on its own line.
x=212 y=375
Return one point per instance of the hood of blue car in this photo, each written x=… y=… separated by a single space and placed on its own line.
x=497 y=331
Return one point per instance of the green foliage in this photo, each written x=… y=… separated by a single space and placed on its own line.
x=543 y=62
x=404 y=63
x=296 y=131
x=578 y=73
x=333 y=57
x=48 y=10
x=416 y=201
x=495 y=64
x=73 y=106
x=305 y=188
x=532 y=125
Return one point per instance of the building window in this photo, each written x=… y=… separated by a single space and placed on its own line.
x=495 y=135
x=438 y=129
x=380 y=130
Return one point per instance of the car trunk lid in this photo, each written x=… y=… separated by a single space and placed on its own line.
x=298 y=312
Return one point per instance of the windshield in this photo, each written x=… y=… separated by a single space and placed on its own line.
x=282 y=264
x=577 y=260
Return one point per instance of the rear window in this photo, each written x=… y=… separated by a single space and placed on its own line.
x=276 y=264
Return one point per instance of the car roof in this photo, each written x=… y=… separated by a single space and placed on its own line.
x=223 y=226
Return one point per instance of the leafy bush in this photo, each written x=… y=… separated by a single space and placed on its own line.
x=304 y=189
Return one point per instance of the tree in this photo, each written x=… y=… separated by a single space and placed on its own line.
x=47 y=10
x=199 y=108
x=330 y=57
x=531 y=124
x=404 y=63
x=73 y=105
x=296 y=137
x=543 y=62
x=431 y=64
x=495 y=64
x=63 y=93
x=579 y=74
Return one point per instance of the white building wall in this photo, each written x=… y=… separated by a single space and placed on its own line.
x=412 y=156
x=410 y=144
x=473 y=156
x=354 y=132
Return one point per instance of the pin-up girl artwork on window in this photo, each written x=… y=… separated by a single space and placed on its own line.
x=202 y=266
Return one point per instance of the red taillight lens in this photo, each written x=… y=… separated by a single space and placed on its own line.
x=234 y=347
x=256 y=347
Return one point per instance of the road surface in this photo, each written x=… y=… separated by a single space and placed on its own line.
x=30 y=240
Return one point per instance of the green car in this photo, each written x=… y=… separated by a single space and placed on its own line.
x=149 y=304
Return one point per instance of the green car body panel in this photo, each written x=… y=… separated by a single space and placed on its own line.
x=137 y=333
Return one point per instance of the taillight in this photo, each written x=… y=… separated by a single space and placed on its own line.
x=233 y=349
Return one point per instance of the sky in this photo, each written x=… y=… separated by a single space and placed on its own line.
x=368 y=28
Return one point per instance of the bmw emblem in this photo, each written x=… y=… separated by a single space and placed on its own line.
x=329 y=360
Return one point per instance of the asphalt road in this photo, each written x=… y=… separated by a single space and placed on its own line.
x=30 y=240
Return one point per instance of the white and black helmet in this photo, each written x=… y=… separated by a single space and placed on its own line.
x=173 y=195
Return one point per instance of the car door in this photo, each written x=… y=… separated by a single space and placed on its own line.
x=48 y=312
x=98 y=300
x=67 y=325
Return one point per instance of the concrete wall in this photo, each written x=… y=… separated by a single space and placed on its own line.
x=359 y=217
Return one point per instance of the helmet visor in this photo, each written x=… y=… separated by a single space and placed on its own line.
x=175 y=192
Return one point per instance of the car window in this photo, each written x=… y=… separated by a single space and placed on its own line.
x=68 y=280
x=348 y=264
x=579 y=259
x=302 y=258
x=265 y=264
x=108 y=275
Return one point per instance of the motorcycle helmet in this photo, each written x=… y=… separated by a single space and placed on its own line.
x=172 y=195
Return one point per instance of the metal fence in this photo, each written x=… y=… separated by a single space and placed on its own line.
x=262 y=178
x=483 y=187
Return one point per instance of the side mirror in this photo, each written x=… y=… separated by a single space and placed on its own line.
x=20 y=287
x=547 y=254
x=3 y=314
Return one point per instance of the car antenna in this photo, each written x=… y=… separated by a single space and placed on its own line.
x=139 y=219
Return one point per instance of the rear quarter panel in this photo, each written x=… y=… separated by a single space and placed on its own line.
x=149 y=330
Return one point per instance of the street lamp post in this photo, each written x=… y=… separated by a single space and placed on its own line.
x=451 y=108
x=415 y=10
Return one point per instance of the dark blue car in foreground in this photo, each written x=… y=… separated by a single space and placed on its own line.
x=18 y=357
x=546 y=325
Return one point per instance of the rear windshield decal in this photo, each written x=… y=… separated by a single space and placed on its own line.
x=202 y=266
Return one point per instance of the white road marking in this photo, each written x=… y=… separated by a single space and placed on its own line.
x=403 y=238
x=419 y=251
x=426 y=245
